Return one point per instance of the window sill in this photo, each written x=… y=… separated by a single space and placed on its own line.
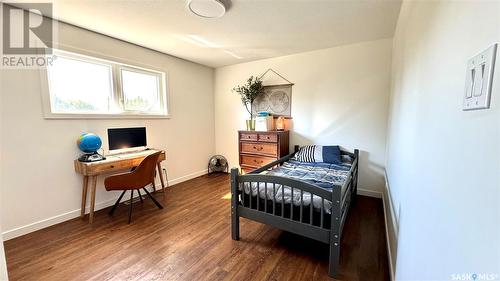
x=104 y=116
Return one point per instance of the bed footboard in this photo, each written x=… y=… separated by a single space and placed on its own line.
x=298 y=215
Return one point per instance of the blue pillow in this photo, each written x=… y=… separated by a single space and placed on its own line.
x=319 y=153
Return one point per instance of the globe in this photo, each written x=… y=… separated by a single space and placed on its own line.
x=89 y=143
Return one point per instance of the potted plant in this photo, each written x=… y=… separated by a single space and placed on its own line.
x=248 y=93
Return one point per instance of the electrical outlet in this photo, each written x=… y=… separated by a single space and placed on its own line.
x=479 y=79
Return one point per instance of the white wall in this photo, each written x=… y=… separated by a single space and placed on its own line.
x=3 y=265
x=442 y=162
x=340 y=96
x=38 y=180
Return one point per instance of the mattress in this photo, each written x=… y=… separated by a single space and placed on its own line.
x=323 y=175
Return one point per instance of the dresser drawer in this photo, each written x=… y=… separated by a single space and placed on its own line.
x=267 y=137
x=255 y=161
x=248 y=136
x=259 y=148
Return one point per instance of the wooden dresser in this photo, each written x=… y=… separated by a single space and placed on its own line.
x=260 y=148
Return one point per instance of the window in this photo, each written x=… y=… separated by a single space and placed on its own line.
x=81 y=86
x=78 y=86
x=141 y=91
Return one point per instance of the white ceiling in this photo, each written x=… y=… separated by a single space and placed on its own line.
x=250 y=30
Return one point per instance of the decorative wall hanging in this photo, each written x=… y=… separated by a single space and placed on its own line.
x=277 y=97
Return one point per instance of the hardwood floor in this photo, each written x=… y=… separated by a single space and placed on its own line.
x=190 y=240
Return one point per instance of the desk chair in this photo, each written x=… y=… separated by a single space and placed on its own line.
x=137 y=179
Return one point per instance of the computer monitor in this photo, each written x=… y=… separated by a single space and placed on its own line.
x=127 y=138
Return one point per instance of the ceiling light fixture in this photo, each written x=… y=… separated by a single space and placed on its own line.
x=207 y=8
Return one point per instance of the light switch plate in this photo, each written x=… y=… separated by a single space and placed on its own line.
x=479 y=78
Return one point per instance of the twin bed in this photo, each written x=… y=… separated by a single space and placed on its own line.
x=307 y=198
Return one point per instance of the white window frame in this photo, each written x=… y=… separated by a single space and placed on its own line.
x=121 y=96
x=117 y=110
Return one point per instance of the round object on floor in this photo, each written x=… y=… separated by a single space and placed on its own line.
x=218 y=163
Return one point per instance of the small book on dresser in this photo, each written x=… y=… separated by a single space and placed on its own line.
x=257 y=149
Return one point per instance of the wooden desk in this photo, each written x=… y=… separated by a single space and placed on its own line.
x=113 y=164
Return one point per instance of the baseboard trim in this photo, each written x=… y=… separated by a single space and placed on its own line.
x=187 y=177
x=388 y=242
x=25 y=229
x=370 y=193
x=389 y=217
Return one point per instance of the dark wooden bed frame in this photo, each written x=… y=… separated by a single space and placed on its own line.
x=303 y=220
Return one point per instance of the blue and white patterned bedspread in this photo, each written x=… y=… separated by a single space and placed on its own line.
x=324 y=175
